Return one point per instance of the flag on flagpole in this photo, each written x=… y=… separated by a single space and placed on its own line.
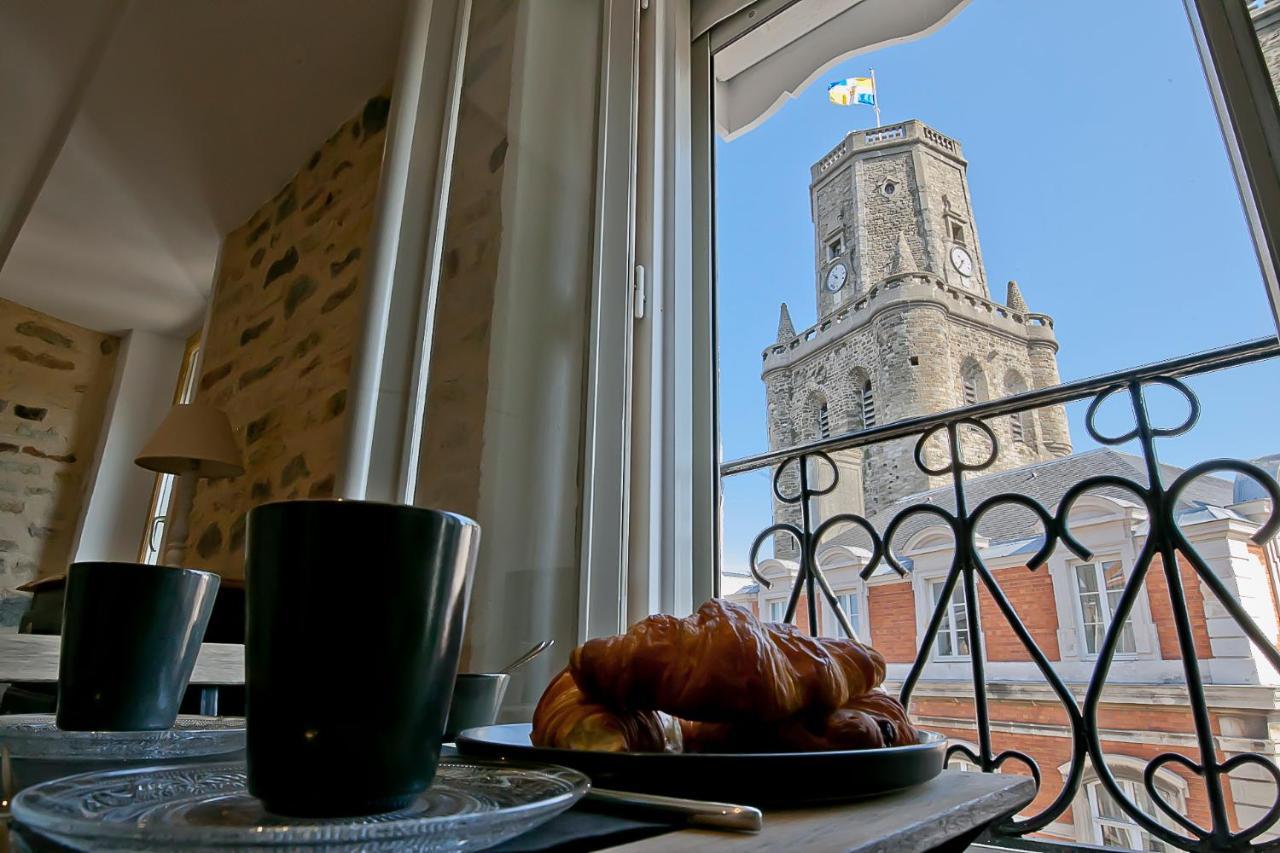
x=853 y=90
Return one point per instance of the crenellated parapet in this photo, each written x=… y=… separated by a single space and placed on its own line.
x=885 y=137
x=897 y=291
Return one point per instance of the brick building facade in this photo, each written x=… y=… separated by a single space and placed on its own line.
x=1144 y=709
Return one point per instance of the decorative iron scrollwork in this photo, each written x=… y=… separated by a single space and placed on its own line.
x=1164 y=539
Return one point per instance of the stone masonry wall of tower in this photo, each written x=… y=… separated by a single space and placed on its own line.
x=907 y=325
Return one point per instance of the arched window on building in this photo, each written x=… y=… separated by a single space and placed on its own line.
x=1022 y=425
x=867 y=401
x=824 y=421
x=973 y=384
x=1099 y=819
x=1113 y=827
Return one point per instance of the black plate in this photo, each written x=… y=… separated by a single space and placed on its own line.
x=775 y=779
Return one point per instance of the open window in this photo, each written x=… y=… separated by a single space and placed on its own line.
x=944 y=205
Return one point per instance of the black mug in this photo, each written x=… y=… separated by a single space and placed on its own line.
x=350 y=598
x=477 y=697
x=130 y=636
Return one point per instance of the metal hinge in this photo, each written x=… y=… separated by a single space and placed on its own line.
x=638 y=294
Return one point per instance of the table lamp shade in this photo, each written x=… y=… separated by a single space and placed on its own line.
x=193 y=438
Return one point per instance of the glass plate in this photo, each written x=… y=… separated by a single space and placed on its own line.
x=38 y=736
x=471 y=804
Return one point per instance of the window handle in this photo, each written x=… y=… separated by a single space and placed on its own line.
x=638 y=293
x=157 y=527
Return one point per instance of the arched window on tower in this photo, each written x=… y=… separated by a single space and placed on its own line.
x=1022 y=425
x=867 y=400
x=973 y=384
x=824 y=421
x=862 y=406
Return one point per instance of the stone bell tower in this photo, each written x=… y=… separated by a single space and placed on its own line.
x=907 y=324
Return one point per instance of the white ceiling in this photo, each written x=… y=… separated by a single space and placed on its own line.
x=197 y=112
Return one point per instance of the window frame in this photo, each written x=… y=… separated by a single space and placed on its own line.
x=830 y=626
x=1131 y=787
x=835 y=246
x=824 y=420
x=1098 y=561
x=1249 y=117
x=867 y=404
x=781 y=604
x=931 y=602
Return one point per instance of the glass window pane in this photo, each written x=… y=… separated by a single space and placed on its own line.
x=1093 y=638
x=1115 y=837
x=1127 y=645
x=944 y=642
x=1113 y=574
x=1091 y=609
x=1108 y=808
x=1113 y=599
x=1086 y=578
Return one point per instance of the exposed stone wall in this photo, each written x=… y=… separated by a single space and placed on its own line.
x=55 y=378
x=913 y=353
x=947 y=198
x=285 y=315
x=880 y=217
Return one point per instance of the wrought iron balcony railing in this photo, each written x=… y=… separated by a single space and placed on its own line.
x=1164 y=540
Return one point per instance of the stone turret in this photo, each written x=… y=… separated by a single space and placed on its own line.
x=1014 y=299
x=786 y=331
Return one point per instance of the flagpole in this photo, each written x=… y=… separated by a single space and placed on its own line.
x=876 y=94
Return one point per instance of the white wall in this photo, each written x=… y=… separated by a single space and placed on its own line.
x=119 y=492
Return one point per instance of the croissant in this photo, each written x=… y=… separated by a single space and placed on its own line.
x=721 y=664
x=873 y=720
x=885 y=709
x=567 y=719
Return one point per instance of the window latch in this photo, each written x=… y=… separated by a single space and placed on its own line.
x=638 y=294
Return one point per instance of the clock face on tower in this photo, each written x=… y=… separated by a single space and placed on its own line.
x=836 y=277
x=962 y=262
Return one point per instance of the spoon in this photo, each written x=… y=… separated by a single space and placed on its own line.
x=527 y=656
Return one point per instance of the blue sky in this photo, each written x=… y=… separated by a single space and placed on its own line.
x=1100 y=182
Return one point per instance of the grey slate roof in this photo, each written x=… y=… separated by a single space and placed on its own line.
x=1046 y=483
x=1248 y=489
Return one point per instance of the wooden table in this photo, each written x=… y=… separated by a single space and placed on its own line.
x=34 y=658
x=947 y=812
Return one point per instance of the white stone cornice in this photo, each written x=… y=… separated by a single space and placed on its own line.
x=1220 y=697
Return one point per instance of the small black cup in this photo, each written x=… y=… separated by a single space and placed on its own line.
x=130 y=636
x=477 y=696
x=341 y=593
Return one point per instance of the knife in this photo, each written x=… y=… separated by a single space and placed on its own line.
x=723 y=816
